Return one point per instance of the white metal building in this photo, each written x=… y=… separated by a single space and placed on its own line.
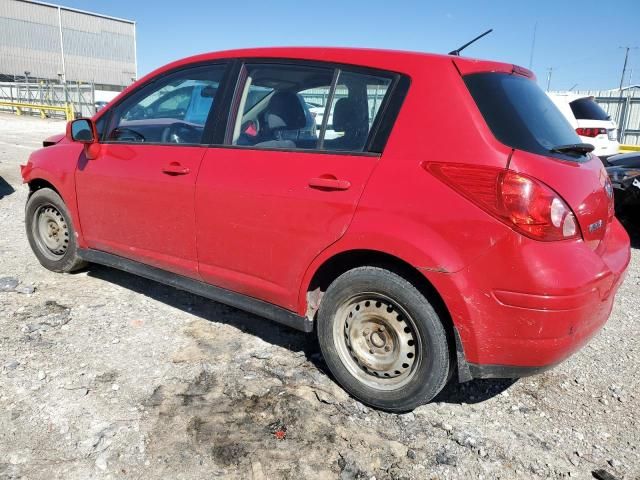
x=52 y=42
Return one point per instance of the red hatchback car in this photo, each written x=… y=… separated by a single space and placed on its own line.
x=440 y=216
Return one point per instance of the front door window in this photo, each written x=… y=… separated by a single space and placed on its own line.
x=173 y=110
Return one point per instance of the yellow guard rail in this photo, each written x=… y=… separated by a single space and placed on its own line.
x=67 y=109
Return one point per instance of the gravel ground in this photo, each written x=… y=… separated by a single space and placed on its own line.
x=106 y=375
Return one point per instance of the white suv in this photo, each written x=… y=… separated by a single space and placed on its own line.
x=590 y=121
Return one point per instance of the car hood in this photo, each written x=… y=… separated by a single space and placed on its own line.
x=626 y=160
x=53 y=139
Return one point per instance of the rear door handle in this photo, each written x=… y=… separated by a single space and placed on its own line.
x=329 y=182
x=174 y=168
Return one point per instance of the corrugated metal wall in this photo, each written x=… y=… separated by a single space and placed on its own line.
x=625 y=110
x=96 y=49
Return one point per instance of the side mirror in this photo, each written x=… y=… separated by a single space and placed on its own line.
x=82 y=130
x=208 y=92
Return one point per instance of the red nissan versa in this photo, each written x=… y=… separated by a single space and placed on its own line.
x=442 y=215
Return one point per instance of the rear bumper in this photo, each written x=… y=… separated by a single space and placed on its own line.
x=525 y=306
x=505 y=371
x=605 y=148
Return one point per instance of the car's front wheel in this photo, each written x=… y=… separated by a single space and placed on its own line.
x=50 y=232
x=382 y=339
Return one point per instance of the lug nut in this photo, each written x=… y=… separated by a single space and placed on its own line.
x=381 y=328
x=366 y=332
x=387 y=348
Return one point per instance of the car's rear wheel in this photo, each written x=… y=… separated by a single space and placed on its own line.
x=382 y=339
x=50 y=232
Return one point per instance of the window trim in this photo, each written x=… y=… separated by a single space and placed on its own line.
x=141 y=90
x=388 y=114
x=327 y=110
x=294 y=150
x=216 y=128
x=377 y=137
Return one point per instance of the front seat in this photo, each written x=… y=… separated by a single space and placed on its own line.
x=351 y=118
x=283 y=117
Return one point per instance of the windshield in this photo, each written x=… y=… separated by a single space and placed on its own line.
x=588 y=109
x=519 y=113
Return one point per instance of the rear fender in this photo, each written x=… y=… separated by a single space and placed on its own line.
x=432 y=254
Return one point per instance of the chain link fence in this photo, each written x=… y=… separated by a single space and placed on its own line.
x=79 y=96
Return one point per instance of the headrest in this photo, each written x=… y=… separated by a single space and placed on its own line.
x=348 y=117
x=285 y=111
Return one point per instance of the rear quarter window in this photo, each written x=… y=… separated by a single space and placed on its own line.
x=519 y=113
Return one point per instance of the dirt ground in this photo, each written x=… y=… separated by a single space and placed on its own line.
x=106 y=375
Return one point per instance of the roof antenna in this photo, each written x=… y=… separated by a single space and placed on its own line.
x=457 y=51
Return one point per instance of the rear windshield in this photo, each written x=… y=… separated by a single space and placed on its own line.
x=519 y=113
x=588 y=109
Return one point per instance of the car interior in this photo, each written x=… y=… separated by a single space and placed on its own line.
x=276 y=112
x=279 y=117
x=174 y=114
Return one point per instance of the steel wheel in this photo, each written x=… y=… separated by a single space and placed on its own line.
x=377 y=341
x=51 y=231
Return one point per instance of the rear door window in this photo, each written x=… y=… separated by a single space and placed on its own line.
x=587 y=109
x=274 y=114
x=520 y=114
x=308 y=107
x=354 y=109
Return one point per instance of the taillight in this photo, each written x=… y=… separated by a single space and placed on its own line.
x=522 y=202
x=591 y=132
x=605 y=181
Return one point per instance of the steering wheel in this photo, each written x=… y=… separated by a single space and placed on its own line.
x=180 y=132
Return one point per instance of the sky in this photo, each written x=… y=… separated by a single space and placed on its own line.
x=579 y=40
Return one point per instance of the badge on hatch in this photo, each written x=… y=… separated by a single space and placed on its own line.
x=595 y=226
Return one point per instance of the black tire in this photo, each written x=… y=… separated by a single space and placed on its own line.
x=342 y=323
x=58 y=252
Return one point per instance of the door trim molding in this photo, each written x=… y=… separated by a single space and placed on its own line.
x=218 y=294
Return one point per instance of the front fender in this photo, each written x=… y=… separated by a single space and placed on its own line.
x=56 y=165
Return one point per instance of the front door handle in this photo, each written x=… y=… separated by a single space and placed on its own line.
x=174 y=168
x=329 y=182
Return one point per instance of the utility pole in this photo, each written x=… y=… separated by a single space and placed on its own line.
x=624 y=66
x=64 y=69
x=549 y=72
x=620 y=111
x=533 y=45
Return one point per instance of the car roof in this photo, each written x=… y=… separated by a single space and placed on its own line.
x=568 y=96
x=400 y=61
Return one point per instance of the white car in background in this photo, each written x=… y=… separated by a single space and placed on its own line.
x=590 y=121
x=317 y=112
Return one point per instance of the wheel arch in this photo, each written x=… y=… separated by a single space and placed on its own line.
x=65 y=189
x=36 y=184
x=339 y=263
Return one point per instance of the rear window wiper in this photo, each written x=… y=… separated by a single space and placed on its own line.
x=574 y=148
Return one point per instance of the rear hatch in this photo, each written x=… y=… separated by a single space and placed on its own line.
x=593 y=121
x=545 y=147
